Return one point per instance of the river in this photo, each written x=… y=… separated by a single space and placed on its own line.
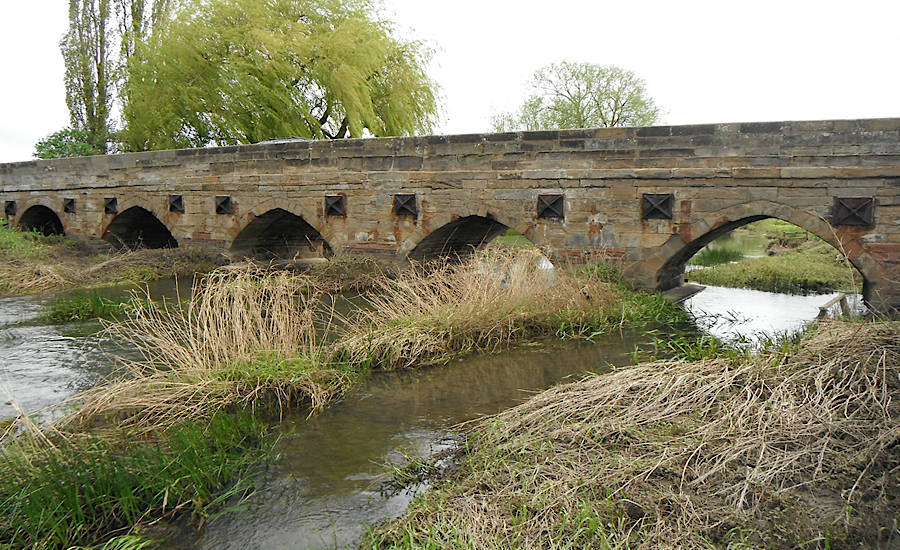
x=328 y=482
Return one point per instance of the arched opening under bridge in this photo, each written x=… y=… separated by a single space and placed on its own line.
x=42 y=220
x=713 y=248
x=465 y=235
x=280 y=234
x=763 y=270
x=137 y=227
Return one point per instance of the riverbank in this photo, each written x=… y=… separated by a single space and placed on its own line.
x=62 y=491
x=31 y=263
x=814 y=267
x=795 y=447
x=774 y=256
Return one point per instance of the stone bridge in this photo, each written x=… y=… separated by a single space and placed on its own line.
x=646 y=198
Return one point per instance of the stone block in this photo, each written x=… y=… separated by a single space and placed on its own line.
x=407 y=163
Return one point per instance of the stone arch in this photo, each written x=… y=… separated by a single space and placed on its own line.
x=675 y=253
x=280 y=234
x=42 y=219
x=137 y=227
x=458 y=237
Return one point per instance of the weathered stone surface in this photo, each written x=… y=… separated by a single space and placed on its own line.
x=721 y=175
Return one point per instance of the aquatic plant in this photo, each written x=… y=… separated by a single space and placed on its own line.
x=82 y=306
x=715 y=256
x=794 y=447
x=58 y=493
x=253 y=336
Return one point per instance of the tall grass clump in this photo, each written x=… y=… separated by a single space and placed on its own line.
x=19 y=244
x=247 y=338
x=343 y=273
x=84 y=490
x=31 y=263
x=796 y=447
x=484 y=302
x=82 y=306
x=715 y=256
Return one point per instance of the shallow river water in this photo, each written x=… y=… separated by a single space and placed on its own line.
x=328 y=481
x=328 y=484
x=43 y=364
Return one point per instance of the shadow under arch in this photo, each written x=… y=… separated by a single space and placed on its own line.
x=280 y=234
x=671 y=273
x=459 y=237
x=41 y=219
x=137 y=227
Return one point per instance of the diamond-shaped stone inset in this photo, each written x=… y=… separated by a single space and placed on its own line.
x=176 y=204
x=110 y=205
x=335 y=205
x=405 y=205
x=9 y=208
x=69 y=206
x=657 y=206
x=551 y=207
x=224 y=205
x=853 y=211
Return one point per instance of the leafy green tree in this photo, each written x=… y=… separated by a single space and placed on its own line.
x=581 y=95
x=138 y=19
x=67 y=142
x=88 y=54
x=243 y=71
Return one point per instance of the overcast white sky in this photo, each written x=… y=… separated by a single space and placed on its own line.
x=703 y=61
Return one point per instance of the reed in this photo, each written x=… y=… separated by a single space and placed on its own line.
x=794 y=447
x=247 y=338
x=255 y=337
x=485 y=302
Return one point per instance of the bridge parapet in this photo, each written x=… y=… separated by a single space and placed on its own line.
x=645 y=197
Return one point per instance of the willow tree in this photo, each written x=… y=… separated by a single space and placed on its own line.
x=581 y=95
x=137 y=19
x=242 y=71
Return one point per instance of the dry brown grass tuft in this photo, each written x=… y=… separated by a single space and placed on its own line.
x=788 y=450
x=248 y=337
x=63 y=266
x=343 y=273
x=431 y=313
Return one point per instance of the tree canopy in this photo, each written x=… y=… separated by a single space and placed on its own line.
x=581 y=95
x=102 y=35
x=243 y=71
x=67 y=142
x=88 y=56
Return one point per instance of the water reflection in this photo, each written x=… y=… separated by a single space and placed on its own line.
x=744 y=314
